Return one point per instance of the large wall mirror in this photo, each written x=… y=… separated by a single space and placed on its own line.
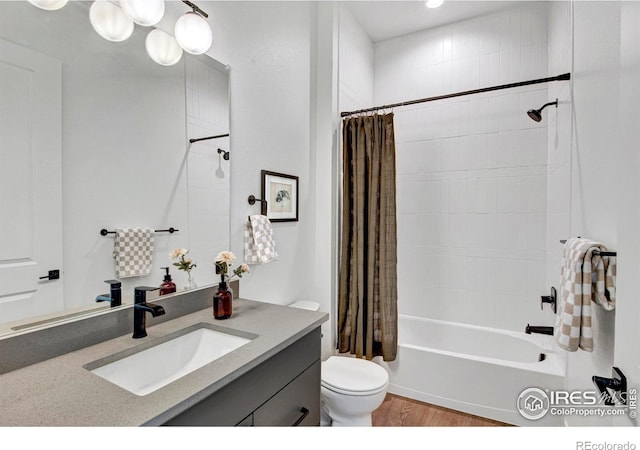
x=95 y=135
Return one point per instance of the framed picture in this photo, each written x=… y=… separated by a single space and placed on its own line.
x=281 y=193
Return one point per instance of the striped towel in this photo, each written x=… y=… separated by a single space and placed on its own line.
x=259 y=246
x=133 y=251
x=586 y=277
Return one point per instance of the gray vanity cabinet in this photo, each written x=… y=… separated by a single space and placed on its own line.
x=284 y=390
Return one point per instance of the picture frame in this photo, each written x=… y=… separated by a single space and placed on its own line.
x=281 y=194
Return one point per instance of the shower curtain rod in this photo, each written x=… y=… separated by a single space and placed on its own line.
x=564 y=76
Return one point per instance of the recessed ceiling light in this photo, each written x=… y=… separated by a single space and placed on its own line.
x=434 y=3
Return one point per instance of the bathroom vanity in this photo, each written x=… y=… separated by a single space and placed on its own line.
x=272 y=380
x=282 y=391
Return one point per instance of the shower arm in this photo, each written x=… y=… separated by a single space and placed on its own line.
x=548 y=104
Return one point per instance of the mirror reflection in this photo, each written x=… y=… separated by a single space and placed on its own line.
x=95 y=135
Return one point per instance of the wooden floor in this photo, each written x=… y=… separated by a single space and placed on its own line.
x=398 y=411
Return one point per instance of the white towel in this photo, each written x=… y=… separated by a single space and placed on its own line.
x=586 y=277
x=133 y=251
x=259 y=246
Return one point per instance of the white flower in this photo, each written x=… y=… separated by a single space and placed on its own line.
x=178 y=252
x=244 y=267
x=225 y=257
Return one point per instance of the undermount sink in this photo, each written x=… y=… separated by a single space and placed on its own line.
x=177 y=355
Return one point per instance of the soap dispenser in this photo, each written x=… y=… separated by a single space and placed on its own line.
x=167 y=286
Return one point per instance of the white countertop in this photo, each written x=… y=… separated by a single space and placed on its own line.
x=61 y=392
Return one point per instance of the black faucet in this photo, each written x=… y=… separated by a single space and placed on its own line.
x=541 y=330
x=140 y=309
x=115 y=294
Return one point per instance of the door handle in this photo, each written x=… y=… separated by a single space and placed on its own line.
x=305 y=413
x=53 y=275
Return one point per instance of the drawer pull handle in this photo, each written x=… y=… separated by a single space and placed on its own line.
x=305 y=413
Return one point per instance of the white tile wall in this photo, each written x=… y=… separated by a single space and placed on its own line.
x=355 y=64
x=472 y=171
x=208 y=181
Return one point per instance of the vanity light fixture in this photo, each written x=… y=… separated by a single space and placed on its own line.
x=163 y=48
x=109 y=21
x=192 y=31
x=434 y=3
x=49 y=5
x=143 y=12
x=115 y=21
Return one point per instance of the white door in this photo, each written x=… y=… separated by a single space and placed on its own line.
x=30 y=183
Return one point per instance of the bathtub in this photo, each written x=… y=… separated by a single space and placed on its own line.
x=477 y=370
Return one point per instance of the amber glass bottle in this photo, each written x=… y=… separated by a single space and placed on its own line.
x=222 y=302
x=167 y=286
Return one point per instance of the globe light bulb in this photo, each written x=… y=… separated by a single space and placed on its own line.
x=193 y=33
x=110 y=21
x=143 y=12
x=434 y=3
x=163 y=48
x=49 y=5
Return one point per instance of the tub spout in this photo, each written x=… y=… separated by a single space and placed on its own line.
x=537 y=329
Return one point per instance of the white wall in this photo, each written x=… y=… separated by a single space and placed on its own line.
x=628 y=308
x=559 y=138
x=325 y=159
x=283 y=108
x=356 y=57
x=268 y=48
x=471 y=171
x=602 y=168
x=208 y=173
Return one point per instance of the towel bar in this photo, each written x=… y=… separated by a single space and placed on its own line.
x=104 y=231
x=564 y=241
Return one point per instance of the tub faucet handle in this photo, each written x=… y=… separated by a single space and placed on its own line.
x=551 y=299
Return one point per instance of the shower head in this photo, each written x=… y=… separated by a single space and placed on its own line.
x=225 y=155
x=536 y=114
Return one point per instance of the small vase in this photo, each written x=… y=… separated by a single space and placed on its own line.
x=222 y=306
x=191 y=284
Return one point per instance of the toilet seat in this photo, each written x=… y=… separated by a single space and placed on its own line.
x=353 y=376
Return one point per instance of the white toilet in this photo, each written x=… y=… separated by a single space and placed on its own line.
x=351 y=388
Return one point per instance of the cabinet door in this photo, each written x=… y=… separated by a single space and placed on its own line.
x=298 y=403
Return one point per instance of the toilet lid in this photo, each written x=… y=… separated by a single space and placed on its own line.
x=353 y=376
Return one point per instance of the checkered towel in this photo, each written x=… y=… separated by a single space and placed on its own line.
x=259 y=246
x=586 y=277
x=133 y=251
